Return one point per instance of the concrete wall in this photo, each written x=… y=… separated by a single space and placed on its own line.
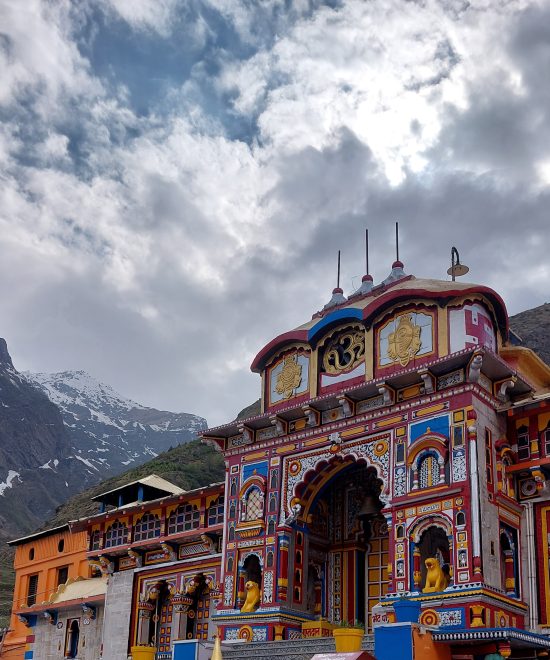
x=118 y=608
x=50 y=639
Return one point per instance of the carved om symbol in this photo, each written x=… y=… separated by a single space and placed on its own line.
x=344 y=352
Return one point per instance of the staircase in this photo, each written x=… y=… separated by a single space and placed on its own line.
x=293 y=649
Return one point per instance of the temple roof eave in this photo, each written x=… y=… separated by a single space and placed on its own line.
x=493 y=367
x=365 y=308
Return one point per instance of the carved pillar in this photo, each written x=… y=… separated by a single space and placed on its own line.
x=145 y=612
x=240 y=587
x=509 y=573
x=417 y=575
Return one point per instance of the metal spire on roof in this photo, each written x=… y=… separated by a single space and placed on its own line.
x=337 y=294
x=366 y=282
x=397 y=271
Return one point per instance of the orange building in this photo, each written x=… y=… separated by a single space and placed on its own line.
x=52 y=574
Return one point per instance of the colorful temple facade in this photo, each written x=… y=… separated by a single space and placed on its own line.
x=397 y=474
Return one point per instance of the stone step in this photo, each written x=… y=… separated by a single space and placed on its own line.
x=293 y=649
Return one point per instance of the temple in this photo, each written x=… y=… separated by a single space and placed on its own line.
x=396 y=476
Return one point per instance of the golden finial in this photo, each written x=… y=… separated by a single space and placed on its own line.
x=217 y=652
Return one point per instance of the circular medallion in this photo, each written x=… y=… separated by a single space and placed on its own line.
x=86 y=622
x=459 y=501
x=245 y=633
x=294 y=467
x=59 y=625
x=429 y=618
x=380 y=448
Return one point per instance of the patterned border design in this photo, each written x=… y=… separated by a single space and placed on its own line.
x=296 y=466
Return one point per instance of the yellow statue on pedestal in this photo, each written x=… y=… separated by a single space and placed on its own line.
x=436 y=579
x=252 y=597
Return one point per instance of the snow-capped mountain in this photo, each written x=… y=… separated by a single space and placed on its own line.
x=109 y=432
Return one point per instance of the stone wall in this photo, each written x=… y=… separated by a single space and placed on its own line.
x=118 y=608
x=50 y=638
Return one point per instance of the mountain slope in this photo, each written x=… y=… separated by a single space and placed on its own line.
x=109 y=432
x=533 y=326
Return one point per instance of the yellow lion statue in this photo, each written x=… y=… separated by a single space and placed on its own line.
x=252 y=596
x=436 y=579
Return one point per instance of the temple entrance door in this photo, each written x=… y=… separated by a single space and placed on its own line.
x=348 y=545
x=202 y=614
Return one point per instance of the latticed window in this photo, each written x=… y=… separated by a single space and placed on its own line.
x=147 y=527
x=254 y=505
x=95 y=540
x=117 y=534
x=215 y=512
x=184 y=518
x=428 y=472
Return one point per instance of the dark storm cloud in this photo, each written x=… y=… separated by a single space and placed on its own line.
x=176 y=178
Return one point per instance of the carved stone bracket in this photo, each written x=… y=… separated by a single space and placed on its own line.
x=279 y=424
x=347 y=406
x=312 y=415
x=428 y=380
x=475 y=368
x=388 y=394
x=504 y=387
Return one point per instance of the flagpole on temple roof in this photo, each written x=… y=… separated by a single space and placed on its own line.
x=397 y=241
x=338 y=278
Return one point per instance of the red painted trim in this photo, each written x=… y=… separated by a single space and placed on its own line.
x=268 y=349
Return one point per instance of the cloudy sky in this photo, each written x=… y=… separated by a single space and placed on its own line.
x=176 y=176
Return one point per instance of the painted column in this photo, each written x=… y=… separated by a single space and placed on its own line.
x=145 y=611
x=474 y=489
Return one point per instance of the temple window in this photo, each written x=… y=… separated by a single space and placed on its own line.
x=274 y=478
x=183 y=519
x=458 y=436
x=254 y=505
x=400 y=453
x=230 y=562
x=269 y=560
x=271 y=526
x=508 y=562
x=460 y=519
x=61 y=545
x=31 y=554
x=95 y=540
x=232 y=510
x=147 y=527
x=272 y=504
x=62 y=575
x=524 y=449
x=546 y=440
x=399 y=532
x=32 y=590
x=215 y=512
x=116 y=534
x=428 y=471
x=233 y=488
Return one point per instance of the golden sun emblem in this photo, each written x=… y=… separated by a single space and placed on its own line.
x=289 y=378
x=404 y=343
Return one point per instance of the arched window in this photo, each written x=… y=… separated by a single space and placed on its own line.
x=272 y=504
x=274 y=478
x=184 y=518
x=399 y=532
x=95 y=540
x=252 y=569
x=428 y=471
x=254 y=505
x=233 y=488
x=31 y=554
x=460 y=519
x=147 y=527
x=232 y=533
x=116 y=534
x=271 y=526
x=269 y=560
x=215 y=512
x=434 y=543
x=230 y=562
x=232 y=510
x=73 y=637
